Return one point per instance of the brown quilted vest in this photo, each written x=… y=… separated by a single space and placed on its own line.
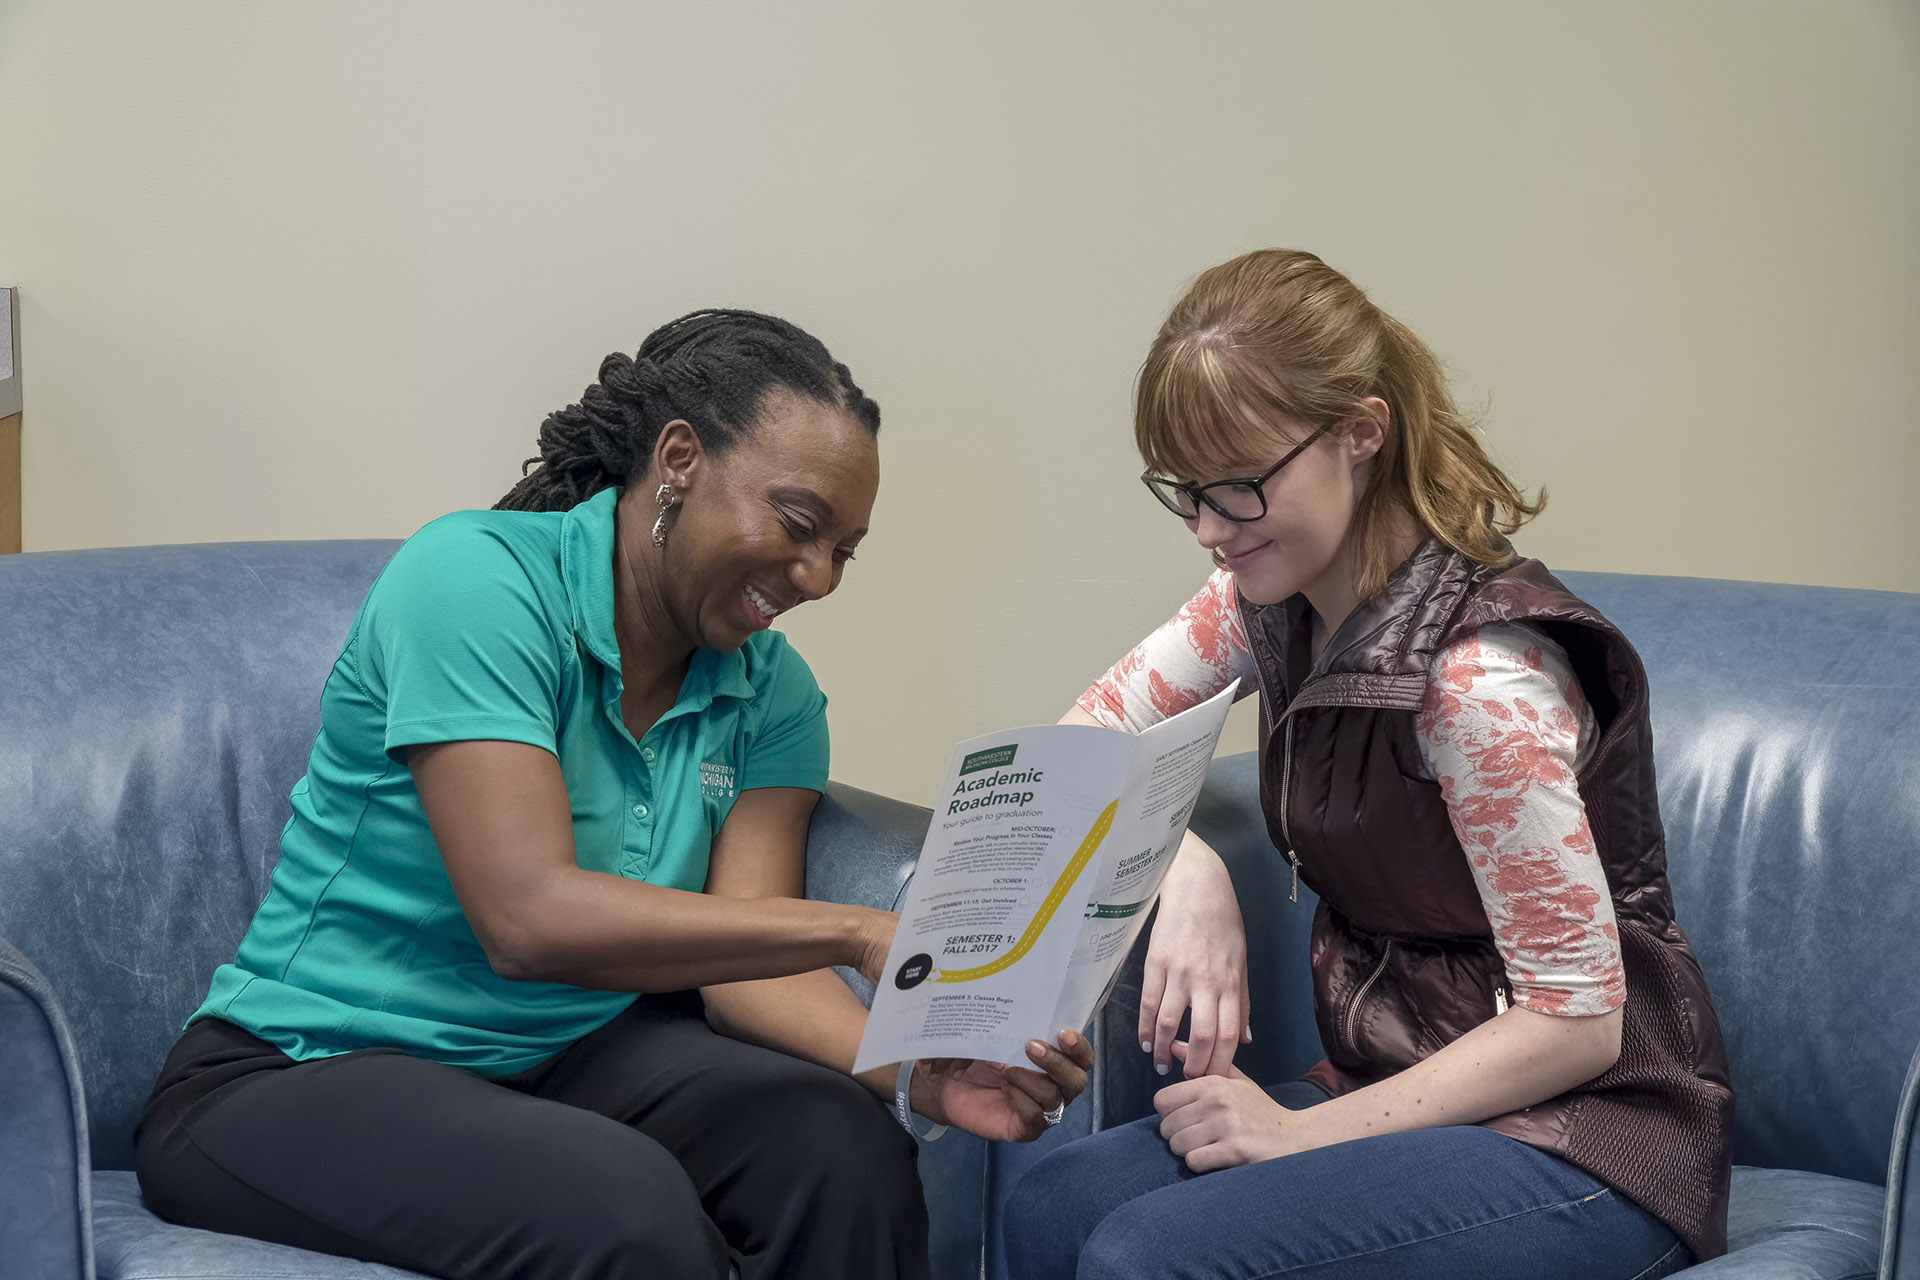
x=1403 y=957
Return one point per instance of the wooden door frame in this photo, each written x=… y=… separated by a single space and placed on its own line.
x=10 y=487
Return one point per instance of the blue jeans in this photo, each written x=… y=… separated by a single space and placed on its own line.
x=1459 y=1201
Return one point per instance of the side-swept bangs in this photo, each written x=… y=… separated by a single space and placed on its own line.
x=1204 y=407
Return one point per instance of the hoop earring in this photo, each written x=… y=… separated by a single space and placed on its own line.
x=667 y=502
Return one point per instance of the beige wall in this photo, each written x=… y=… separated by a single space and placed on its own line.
x=318 y=271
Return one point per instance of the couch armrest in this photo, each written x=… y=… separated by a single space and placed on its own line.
x=1900 y=1236
x=46 y=1220
x=861 y=850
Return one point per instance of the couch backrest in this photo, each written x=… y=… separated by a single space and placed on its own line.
x=157 y=705
x=1787 y=746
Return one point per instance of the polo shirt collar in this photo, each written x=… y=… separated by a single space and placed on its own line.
x=586 y=569
x=729 y=674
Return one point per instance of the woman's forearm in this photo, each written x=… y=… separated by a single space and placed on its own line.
x=810 y=1015
x=1509 y=1063
x=502 y=822
x=607 y=932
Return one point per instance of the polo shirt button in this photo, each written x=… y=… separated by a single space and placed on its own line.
x=639 y=811
x=647 y=754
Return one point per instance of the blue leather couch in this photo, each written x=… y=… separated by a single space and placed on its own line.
x=156 y=705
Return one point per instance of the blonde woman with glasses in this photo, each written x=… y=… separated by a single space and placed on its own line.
x=1523 y=1073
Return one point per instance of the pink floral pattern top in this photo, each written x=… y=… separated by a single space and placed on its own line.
x=1504 y=730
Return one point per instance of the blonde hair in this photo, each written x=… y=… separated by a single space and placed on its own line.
x=1278 y=337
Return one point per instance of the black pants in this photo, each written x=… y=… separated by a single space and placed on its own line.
x=653 y=1147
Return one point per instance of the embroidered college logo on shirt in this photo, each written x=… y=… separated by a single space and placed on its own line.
x=716 y=781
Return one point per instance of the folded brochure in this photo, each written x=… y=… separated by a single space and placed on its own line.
x=1043 y=861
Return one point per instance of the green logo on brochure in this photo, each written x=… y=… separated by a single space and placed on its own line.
x=992 y=758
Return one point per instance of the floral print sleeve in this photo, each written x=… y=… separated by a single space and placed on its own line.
x=1505 y=730
x=1195 y=655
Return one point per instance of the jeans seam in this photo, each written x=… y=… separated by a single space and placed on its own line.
x=1407 y=1244
x=1653 y=1268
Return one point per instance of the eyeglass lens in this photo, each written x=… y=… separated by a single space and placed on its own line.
x=1236 y=501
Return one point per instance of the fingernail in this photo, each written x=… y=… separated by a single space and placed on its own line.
x=1146 y=1046
x=1247 y=1035
x=1035 y=1049
x=1160 y=1067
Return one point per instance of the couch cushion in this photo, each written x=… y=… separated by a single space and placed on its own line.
x=1783 y=1224
x=131 y=1244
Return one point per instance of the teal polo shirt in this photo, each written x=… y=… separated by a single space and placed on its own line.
x=495 y=625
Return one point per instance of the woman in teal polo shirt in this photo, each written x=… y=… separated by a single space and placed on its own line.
x=563 y=761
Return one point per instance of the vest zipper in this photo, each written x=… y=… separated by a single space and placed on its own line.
x=1500 y=1004
x=1286 y=797
x=1353 y=1006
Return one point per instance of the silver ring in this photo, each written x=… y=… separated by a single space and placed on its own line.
x=1054 y=1116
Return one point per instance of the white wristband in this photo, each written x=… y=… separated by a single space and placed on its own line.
x=903 y=1111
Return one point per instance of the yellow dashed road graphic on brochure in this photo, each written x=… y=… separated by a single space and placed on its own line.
x=1054 y=897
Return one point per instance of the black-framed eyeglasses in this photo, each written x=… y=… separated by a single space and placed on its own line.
x=1240 y=501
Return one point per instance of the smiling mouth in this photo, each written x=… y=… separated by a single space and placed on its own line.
x=760 y=609
x=1236 y=558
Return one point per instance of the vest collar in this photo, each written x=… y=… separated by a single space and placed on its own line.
x=1382 y=652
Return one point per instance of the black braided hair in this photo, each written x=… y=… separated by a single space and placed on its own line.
x=713 y=368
